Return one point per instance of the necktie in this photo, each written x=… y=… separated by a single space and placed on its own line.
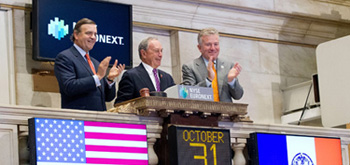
x=214 y=85
x=90 y=63
x=156 y=78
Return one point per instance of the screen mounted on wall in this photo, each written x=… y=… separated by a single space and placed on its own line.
x=53 y=23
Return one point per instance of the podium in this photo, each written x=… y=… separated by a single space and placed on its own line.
x=165 y=107
x=182 y=112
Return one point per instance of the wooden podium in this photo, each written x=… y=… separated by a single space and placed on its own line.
x=182 y=112
x=163 y=107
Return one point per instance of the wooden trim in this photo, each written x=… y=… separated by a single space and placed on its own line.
x=15 y=7
x=336 y=2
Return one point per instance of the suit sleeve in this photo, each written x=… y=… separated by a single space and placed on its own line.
x=236 y=92
x=109 y=91
x=189 y=77
x=170 y=80
x=68 y=80
x=126 y=89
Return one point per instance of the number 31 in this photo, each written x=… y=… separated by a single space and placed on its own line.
x=204 y=156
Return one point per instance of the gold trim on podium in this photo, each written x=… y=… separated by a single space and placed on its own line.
x=163 y=106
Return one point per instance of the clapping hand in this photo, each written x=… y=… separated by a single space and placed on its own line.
x=211 y=73
x=234 y=72
x=115 y=70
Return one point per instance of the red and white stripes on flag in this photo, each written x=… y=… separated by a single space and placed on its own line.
x=111 y=143
x=84 y=142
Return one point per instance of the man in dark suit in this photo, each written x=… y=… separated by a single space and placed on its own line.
x=146 y=75
x=81 y=78
x=201 y=72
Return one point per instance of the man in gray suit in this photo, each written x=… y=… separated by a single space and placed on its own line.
x=200 y=71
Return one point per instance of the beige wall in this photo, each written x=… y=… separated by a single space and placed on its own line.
x=266 y=68
x=274 y=42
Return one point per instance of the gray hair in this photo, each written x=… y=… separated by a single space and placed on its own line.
x=206 y=32
x=144 y=44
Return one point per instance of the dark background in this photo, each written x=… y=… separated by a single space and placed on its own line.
x=112 y=19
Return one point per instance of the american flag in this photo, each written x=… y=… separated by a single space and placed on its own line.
x=63 y=142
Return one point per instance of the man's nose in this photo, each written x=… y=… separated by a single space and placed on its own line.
x=160 y=53
x=93 y=36
x=212 y=46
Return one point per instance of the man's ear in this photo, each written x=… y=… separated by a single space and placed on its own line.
x=75 y=34
x=199 y=47
x=143 y=53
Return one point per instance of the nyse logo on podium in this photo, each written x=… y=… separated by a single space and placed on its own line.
x=195 y=93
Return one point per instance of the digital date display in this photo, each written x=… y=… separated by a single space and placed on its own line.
x=199 y=146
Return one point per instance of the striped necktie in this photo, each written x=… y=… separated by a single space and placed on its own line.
x=157 y=79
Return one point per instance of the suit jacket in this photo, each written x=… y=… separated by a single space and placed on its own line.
x=195 y=73
x=77 y=86
x=137 y=78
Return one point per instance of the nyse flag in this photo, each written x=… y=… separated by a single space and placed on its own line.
x=296 y=150
x=63 y=142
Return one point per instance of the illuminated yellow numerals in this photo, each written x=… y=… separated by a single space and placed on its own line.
x=204 y=156
x=213 y=147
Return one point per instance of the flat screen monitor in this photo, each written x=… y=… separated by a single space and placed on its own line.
x=53 y=23
x=199 y=146
x=268 y=148
x=61 y=141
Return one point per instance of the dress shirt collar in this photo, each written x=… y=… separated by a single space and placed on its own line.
x=148 y=68
x=80 y=50
x=207 y=61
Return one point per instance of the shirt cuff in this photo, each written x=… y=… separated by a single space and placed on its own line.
x=97 y=81
x=208 y=83
x=232 y=83
x=110 y=83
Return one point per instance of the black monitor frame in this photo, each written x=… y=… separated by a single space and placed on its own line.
x=37 y=18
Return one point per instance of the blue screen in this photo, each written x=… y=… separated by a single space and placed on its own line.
x=53 y=23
